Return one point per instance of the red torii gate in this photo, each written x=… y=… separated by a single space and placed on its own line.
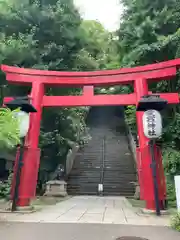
x=138 y=77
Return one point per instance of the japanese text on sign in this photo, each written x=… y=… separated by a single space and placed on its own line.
x=152 y=124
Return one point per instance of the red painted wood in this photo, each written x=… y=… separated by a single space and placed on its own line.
x=155 y=75
x=144 y=161
x=31 y=157
x=29 y=174
x=37 y=94
x=141 y=89
x=97 y=100
x=147 y=190
x=160 y=169
x=172 y=98
x=7 y=99
x=88 y=91
x=149 y=67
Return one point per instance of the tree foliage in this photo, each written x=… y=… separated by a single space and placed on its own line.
x=175 y=222
x=9 y=129
x=46 y=37
x=150 y=33
x=100 y=44
x=52 y=35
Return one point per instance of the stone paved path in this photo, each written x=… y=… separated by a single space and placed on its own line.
x=88 y=209
x=68 y=231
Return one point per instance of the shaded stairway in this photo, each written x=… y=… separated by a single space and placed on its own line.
x=106 y=159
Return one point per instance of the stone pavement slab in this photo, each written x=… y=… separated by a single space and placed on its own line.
x=56 y=231
x=89 y=209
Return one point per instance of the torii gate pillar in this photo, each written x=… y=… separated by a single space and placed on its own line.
x=144 y=159
x=31 y=155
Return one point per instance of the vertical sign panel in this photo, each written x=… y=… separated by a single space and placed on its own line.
x=177 y=186
x=152 y=124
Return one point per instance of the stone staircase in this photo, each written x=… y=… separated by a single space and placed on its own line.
x=106 y=159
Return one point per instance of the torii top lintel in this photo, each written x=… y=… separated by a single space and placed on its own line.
x=155 y=72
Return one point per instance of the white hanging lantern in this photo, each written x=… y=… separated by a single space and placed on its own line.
x=24 y=121
x=152 y=124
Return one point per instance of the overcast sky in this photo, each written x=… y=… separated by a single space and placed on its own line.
x=105 y=11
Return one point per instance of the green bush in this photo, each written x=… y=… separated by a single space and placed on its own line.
x=5 y=187
x=175 y=222
x=9 y=129
x=171 y=194
x=171 y=162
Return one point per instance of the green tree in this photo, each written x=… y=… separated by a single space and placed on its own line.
x=50 y=35
x=150 y=33
x=100 y=44
x=45 y=37
x=9 y=129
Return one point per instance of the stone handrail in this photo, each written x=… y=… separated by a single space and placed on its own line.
x=70 y=158
x=132 y=142
x=69 y=162
x=133 y=145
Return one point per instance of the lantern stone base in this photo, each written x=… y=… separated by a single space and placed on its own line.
x=153 y=212
x=25 y=209
x=56 y=188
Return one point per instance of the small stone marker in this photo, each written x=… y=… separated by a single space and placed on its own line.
x=56 y=188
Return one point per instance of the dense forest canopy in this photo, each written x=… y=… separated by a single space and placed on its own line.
x=150 y=33
x=52 y=35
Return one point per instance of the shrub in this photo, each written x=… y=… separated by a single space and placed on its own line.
x=5 y=187
x=175 y=222
x=9 y=129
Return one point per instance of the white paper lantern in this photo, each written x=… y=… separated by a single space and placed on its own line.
x=152 y=124
x=24 y=121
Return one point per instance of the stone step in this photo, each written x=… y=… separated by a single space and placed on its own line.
x=108 y=144
x=105 y=179
x=94 y=188
x=121 y=170
x=105 y=192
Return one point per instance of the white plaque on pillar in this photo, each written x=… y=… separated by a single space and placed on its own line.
x=177 y=187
